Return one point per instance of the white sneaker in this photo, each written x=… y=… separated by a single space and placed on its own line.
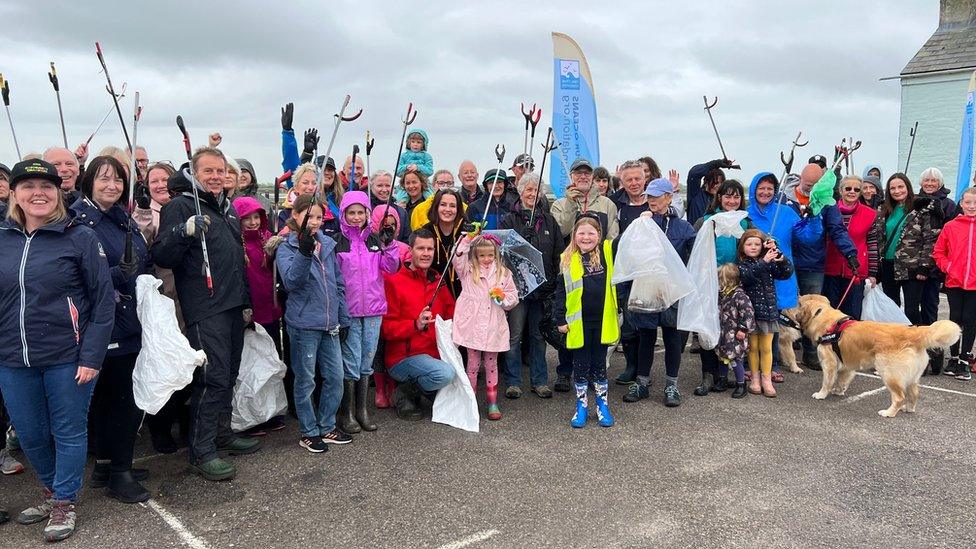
x=9 y=465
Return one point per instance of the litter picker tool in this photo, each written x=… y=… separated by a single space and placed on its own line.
x=708 y=109
x=911 y=146
x=274 y=229
x=528 y=122
x=787 y=162
x=107 y=114
x=115 y=99
x=500 y=155
x=133 y=177
x=407 y=121
x=340 y=117
x=534 y=122
x=369 y=149
x=53 y=77
x=196 y=203
x=547 y=148
x=844 y=151
x=5 y=90
x=352 y=168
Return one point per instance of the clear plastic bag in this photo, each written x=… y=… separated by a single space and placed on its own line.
x=455 y=404
x=259 y=393
x=729 y=223
x=879 y=307
x=698 y=311
x=166 y=361
x=646 y=256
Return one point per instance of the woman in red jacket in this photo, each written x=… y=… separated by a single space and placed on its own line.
x=954 y=253
x=838 y=270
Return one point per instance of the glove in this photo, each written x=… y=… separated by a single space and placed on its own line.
x=128 y=268
x=726 y=163
x=196 y=225
x=806 y=211
x=287 y=114
x=306 y=244
x=143 y=200
x=853 y=263
x=472 y=229
x=343 y=333
x=311 y=142
x=386 y=235
x=248 y=315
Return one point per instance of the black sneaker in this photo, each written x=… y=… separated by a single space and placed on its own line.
x=951 y=367
x=336 y=437
x=313 y=444
x=672 y=398
x=637 y=392
x=963 y=372
x=562 y=384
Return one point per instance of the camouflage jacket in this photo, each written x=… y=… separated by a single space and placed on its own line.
x=913 y=254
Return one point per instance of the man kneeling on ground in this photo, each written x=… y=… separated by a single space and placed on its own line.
x=408 y=327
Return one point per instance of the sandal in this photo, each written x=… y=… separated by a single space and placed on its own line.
x=778 y=377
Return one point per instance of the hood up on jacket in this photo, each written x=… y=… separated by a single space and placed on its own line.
x=377 y=215
x=350 y=199
x=247 y=205
x=247 y=167
x=870 y=167
x=422 y=134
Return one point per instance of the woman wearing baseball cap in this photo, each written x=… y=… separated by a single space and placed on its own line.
x=55 y=325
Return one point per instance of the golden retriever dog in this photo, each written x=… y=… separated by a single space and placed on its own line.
x=897 y=352
x=788 y=335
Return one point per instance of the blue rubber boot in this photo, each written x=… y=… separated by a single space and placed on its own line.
x=602 y=409
x=579 y=418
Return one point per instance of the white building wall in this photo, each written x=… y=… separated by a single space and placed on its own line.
x=938 y=103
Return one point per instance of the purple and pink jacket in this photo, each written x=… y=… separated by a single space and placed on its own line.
x=362 y=260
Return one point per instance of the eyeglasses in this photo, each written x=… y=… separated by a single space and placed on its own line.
x=852 y=189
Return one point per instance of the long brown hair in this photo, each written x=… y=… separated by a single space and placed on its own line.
x=889 y=204
x=749 y=233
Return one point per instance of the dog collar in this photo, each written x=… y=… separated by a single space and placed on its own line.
x=787 y=321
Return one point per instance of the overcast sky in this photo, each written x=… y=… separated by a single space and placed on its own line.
x=776 y=67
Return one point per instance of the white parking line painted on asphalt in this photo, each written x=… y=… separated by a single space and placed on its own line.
x=473 y=538
x=950 y=391
x=182 y=531
x=865 y=394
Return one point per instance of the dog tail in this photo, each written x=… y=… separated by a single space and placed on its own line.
x=942 y=333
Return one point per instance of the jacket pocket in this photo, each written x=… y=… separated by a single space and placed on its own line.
x=73 y=317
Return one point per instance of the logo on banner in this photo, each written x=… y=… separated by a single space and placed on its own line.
x=569 y=74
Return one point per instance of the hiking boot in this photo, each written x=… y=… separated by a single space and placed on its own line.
x=214 y=470
x=239 y=446
x=812 y=361
x=102 y=472
x=706 y=382
x=562 y=384
x=672 y=398
x=344 y=417
x=739 y=391
x=579 y=418
x=313 y=444
x=513 y=392
x=39 y=512
x=8 y=464
x=13 y=443
x=362 y=410
x=405 y=400
x=542 y=391
x=637 y=392
x=125 y=488
x=720 y=385
x=336 y=436
x=62 y=522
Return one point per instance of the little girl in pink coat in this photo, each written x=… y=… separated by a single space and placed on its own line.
x=487 y=291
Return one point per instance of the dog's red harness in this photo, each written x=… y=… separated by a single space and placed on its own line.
x=832 y=336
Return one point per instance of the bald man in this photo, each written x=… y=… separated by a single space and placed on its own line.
x=467 y=174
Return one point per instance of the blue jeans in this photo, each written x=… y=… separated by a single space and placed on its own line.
x=359 y=348
x=50 y=411
x=809 y=282
x=311 y=350
x=426 y=371
x=527 y=314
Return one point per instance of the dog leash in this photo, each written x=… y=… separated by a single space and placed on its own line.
x=847 y=291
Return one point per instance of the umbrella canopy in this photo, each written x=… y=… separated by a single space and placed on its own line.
x=522 y=259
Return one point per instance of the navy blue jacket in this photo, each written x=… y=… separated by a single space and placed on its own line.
x=682 y=236
x=758 y=281
x=56 y=300
x=809 y=256
x=698 y=200
x=110 y=228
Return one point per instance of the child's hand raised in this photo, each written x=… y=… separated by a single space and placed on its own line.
x=770 y=256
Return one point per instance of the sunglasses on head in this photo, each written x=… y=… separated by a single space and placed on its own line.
x=852 y=189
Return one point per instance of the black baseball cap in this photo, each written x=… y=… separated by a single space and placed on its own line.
x=34 y=169
x=819 y=160
x=523 y=159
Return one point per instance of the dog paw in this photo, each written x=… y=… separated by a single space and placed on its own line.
x=908 y=410
x=886 y=413
x=796 y=370
x=819 y=395
x=838 y=392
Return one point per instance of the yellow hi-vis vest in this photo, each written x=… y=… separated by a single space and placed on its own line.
x=609 y=331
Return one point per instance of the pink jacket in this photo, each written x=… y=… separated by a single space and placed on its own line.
x=362 y=259
x=478 y=322
x=260 y=277
x=376 y=223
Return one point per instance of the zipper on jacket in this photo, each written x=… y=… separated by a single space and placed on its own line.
x=73 y=315
x=325 y=287
x=23 y=298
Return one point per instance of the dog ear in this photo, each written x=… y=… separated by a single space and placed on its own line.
x=819 y=310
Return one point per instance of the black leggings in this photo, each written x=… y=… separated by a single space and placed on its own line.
x=115 y=417
x=962 y=311
x=590 y=361
x=673 y=342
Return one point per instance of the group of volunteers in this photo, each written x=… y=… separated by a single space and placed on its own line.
x=348 y=271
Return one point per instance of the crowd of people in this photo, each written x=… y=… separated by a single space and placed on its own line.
x=348 y=271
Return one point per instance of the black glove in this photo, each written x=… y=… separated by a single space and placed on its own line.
x=468 y=227
x=343 y=333
x=386 y=235
x=806 y=211
x=311 y=141
x=195 y=226
x=143 y=200
x=853 y=263
x=306 y=244
x=725 y=163
x=128 y=268
x=287 y=114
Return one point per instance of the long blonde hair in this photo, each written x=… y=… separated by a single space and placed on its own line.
x=481 y=242
x=594 y=254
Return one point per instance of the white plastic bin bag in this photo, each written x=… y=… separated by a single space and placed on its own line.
x=646 y=256
x=879 y=307
x=455 y=404
x=259 y=394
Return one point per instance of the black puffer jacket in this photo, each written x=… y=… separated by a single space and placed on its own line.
x=184 y=255
x=757 y=278
x=544 y=236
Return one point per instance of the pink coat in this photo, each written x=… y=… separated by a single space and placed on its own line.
x=258 y=267
x=479 y=323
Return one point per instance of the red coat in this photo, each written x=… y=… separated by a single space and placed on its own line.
x=861 y=225
x=407 y=293
x=955 y=252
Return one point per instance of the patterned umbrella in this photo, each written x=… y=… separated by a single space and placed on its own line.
x=522 y=259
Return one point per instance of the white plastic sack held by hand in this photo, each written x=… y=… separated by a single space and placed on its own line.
x=698 y=312
x=259 y=394
x=879 y=307
x=646 y=256
x=729 y=223
x=455 y=404
x=166 y=362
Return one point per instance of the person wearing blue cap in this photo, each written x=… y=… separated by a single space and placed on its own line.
x=682 y=236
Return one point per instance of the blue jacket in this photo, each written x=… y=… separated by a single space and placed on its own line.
x=316 y=290
x=423 y=160
x=757 y=277
x=810 y=253
x=682 y=236
x=56 y=300
x=110 y=228
x=726 y=247
x=789 y=228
